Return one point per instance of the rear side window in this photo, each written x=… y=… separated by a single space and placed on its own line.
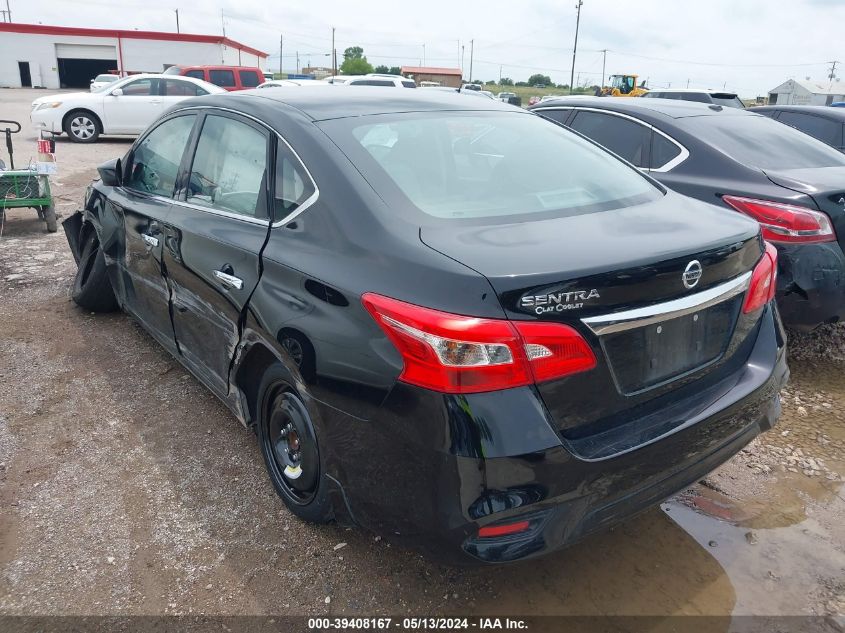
x=468 y=165
x=825 y=130
x=763 y=143
x=249 y=78
x=229 y=168
x=155 y=161
x=223 y=78
x=409 y=84
x=196 y=74
x=626 y=138
x=293 y=185
x=663 y=151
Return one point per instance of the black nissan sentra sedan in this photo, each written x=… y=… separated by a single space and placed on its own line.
x=793 y=184
x=446 y=319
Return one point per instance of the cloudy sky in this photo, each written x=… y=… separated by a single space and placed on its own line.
x=748 y=46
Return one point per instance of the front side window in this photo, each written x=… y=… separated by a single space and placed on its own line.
x=293 y=185
x=155 y=160
x=626 y=138
x=763 y=143
x=223 y=78
x=558 y=116
x=229 y=168
x=249 y=78
x=139 y=88
x=470 y=165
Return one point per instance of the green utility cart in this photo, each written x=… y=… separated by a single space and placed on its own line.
x=24 y=187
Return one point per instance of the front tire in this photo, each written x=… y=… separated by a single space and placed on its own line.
x=82 y=127
x=92 y=288
x=290 y=448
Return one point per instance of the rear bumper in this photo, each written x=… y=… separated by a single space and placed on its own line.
x=811 y=284
x=434 y=468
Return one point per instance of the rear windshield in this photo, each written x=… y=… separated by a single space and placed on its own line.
x=465 y=165
x=762 y=142
x=105 y=78
x=726 y=99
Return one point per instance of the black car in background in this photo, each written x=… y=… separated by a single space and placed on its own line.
x=822 y=122
x=789 y=182
x=434 y=336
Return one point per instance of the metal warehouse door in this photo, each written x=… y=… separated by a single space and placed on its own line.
x=80 y=63
x=85 y=51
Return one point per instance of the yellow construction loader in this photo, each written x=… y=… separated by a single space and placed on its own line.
x=623 y=86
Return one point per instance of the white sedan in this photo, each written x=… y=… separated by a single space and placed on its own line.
x=126 y=106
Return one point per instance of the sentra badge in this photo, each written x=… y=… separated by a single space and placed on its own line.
x=558 y=301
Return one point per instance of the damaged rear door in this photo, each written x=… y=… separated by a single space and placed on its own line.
x=216 y=229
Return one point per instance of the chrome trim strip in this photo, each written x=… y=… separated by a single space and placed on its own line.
x=221 y=212
x=640 y=317
x=680 y=158
x=308 y=201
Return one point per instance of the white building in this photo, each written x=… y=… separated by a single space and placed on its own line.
x=64 y=57
x=806 y=92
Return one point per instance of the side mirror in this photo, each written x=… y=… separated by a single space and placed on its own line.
x=110 y=173
x=116 y=92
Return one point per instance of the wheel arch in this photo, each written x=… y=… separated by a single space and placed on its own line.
x=97 y=119
x=257 y=358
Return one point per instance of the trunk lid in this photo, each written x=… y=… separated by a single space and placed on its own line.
x=582 y=269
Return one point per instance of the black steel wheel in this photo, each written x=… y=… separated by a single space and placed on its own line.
x=291 y=449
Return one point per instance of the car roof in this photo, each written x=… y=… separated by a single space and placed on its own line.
x=349 y=101
x=671 y=108
x=827 y=111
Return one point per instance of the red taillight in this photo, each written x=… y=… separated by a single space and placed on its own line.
x=761 y=290
x=785 y=222
x=460 y=354
x=491 y=531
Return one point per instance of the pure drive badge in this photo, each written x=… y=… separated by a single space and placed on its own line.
x=557 y=301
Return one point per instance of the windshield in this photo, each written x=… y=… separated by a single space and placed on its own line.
x=761 y=142
x=464 y=165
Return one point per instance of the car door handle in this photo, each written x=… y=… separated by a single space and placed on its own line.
x=155 y=100
x=229 y=280
x=150 y=240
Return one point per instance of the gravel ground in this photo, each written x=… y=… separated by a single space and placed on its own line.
x=127 y=488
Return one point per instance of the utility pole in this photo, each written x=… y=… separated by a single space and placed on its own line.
x=831 y=75
x=462 y=61
x=177 y=20
x=7 y=13
x=500 y=74
x=223 y=22
x=603 y=65
x=687 y=83
x=423 y=55
x=334 y=56
x=471 y=52
x=297 y=62
x=575 y=48
x=281 y=53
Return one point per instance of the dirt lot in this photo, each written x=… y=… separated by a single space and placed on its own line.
x=126 y=488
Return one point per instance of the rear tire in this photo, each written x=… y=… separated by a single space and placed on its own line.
x=92 y=289
x=50 y=219
x=82 y=127
x=291 y=449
